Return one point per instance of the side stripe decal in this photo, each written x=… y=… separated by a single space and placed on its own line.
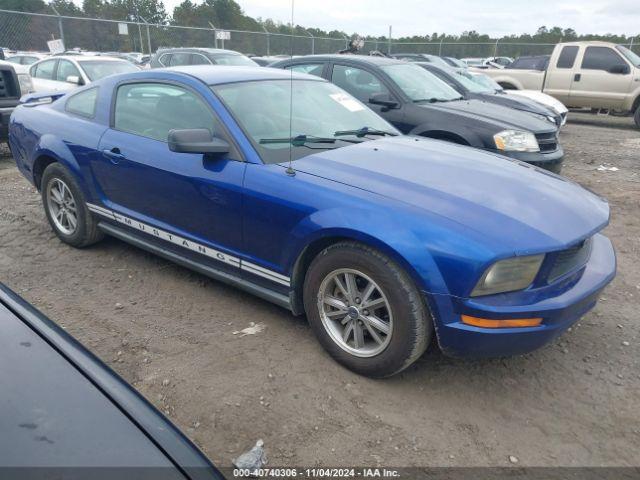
x=191 y=245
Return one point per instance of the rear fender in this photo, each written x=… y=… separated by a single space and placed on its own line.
x=53 y=147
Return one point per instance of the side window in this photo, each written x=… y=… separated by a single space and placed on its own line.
x=44 y=70
x=600 y=58
x=165 y=59
x=65 y=70
x=83 y=103
x=178 y=59
x=199 y=59
x=359 y=83
x=567 y=57
x=152 y=109
x=310 y=68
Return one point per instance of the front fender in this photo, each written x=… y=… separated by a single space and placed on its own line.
x=466 y=134
x=376 y=229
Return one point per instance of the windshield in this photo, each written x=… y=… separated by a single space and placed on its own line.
x=631 y=56
x=486 y=81
x=234 y=60
x=469 y=81
x=97 y=69
x=320 y=111
x=420 y=85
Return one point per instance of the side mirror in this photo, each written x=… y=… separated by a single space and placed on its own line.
x=76 y=80
x=196 y=140
x=383 y=99
x=620 y=69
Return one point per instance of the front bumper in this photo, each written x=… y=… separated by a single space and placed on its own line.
x=551 y=161
x=5 y=115
x=559 y=305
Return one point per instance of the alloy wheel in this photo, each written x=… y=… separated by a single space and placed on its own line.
x=355 y=312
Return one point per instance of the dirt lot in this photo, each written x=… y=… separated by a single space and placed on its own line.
x=169 y=332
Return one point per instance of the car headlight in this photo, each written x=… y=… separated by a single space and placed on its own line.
x=26 y=85
x=516 y=141
x=509 y=275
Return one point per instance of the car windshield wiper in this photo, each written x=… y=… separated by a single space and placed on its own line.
x=298 y=141
x=364 y=131
x=435 y=99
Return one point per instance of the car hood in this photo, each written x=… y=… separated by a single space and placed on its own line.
x=499 y=116
x=539 y=97
x=520 y=103
x=508 y=201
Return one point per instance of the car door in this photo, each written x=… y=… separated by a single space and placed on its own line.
x=67 y=75
x=560 y=75
x=195 y=196
x=596 y=83
x=42 y=76
x=363 y=84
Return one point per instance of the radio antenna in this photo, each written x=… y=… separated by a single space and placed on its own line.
x=290 y=170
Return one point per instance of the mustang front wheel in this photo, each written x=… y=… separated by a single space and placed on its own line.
x=365 y=310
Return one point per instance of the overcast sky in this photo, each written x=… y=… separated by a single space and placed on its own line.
x=420 y=17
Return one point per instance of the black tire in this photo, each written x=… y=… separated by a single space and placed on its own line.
x=86 y=231
x=636 y=116
x=412 y=328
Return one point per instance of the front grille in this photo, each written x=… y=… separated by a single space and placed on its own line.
x=548 y=142
x=570 y=260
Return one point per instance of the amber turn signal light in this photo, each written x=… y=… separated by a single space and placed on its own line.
x=507 y=323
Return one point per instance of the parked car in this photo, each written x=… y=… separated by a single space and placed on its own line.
x=421 y=57
x=26 y=58
x=175 y=57
x=266 y=61
x=14 y=82
x=500 y=62
x=65 y=414
x=463 y=82
x=454 y=62
x=539 y=97
x=418 y=103
x=597 y=75
x=533 y=62
x=286 y=186
x=62 y=73
x=474 y=62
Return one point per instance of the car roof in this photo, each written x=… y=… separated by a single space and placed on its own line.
x=369 y=59
x=211 y=51
x=215 y=75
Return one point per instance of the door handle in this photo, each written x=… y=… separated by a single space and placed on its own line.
x=577 y=77
x=114 y=155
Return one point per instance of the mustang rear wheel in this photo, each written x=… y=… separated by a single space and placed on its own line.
x=65 y=207
x=365 y=310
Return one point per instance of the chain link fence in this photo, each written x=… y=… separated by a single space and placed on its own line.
x=30 y=31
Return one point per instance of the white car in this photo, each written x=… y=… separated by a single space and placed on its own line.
x=26 y=58
x=544 y=99
x=66 y=72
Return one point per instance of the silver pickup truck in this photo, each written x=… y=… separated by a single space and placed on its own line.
x=597 y=75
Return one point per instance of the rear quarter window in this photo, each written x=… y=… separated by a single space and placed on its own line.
x=567 y=57
x=83 y=103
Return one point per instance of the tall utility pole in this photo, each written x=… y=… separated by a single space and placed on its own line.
x=390 y=34
x=59 y=24
x=148 y=35
x=267 y=33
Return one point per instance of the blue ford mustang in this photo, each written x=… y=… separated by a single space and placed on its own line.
x=286 y=186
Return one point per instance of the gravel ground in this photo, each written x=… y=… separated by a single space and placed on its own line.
x=169 y=332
